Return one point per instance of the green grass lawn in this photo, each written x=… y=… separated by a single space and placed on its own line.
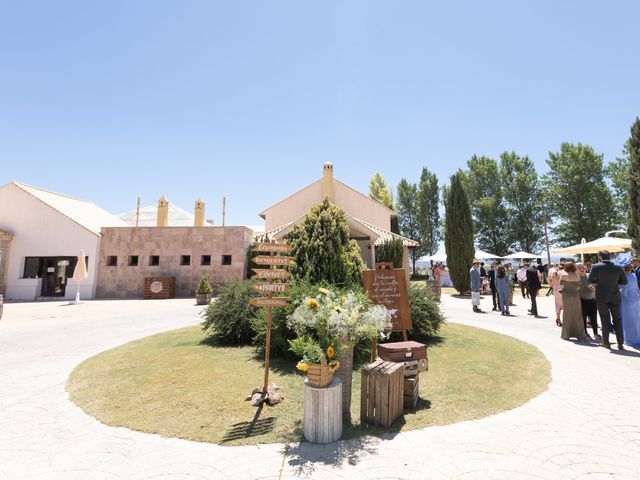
x=174 y=385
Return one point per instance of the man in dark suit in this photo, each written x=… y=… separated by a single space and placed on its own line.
x=607 y=277
x=492 y=285
x=534 y=284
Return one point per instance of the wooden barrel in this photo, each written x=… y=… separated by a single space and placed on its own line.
x=323 y=412
x=435 y=288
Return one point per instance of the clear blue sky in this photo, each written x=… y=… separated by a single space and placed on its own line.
x=111 y=100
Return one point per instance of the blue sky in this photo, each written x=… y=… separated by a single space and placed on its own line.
x=111 y=100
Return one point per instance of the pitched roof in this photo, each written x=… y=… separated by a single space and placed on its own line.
x=178 y=217
x=84 y=213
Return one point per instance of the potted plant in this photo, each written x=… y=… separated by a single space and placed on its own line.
x=204 y=292
x=329 y=324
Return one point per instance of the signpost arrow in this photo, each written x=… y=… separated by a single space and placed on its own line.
x=273 y=274
x=271 y=287
x=272 y=260
x=270 y=302
x=272 y=247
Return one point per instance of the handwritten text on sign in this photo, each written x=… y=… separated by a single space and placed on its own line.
x=272 y=274
x=271 y=287
x=270 y=302
x=272 y=247
x=268 y=260
x=389 y=288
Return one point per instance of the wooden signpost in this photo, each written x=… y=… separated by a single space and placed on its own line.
x=269 y=288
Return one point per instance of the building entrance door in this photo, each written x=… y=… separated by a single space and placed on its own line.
x=55 y=273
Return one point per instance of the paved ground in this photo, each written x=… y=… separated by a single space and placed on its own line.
x=586 y=426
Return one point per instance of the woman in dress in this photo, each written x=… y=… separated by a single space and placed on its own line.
x=554 y=282
x=436 y=272
x=630 y=309
x=572 y=326
x=503 y=286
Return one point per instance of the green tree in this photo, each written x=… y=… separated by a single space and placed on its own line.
x=618 y=173
x=379 y=191
x=322 y=250
x=458 y=233
x=634 y=184
x=576 y=195
x=407 y=210
x=429 y=228
x=521 y=193
x=484 y=188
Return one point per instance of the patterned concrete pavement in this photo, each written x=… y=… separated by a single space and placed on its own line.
x=585 y=426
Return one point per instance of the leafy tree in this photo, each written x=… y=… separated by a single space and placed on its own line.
x=322 y=250
x=429 y=229
x=576 y=194
x=379 y=191
x=407 y=209
x=521 y=194
x=484 y=188
x=458 y=233
x=390 y=251
x=618 y=173
x=634 y=184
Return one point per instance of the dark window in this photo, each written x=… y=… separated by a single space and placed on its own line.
x=112 y=261
x=133 y=261
x=226 y=259
x=205 y=260
x=185 y=260
x=154 y=260
x=31 y=267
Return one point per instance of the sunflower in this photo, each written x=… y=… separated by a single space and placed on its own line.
x=330 y=352
x=334 y=365
x=313 y=304
x=303 y=367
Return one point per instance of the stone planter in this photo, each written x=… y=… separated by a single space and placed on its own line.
x=203 y=298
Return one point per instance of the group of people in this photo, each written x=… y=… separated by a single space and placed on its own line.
x=581 y=293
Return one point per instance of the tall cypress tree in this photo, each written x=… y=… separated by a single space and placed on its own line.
x=634 y=184
x=458 y=234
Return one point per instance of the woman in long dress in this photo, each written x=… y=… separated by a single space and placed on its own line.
x=572 y=326
x=630 y=309
x=554 y=282
x=503 y=286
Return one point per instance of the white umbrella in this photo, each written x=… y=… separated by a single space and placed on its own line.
x=612 y=244
x=80 y=273
x=521 y=255
x=481 y=254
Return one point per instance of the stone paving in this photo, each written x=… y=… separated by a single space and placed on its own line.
x=585 y=426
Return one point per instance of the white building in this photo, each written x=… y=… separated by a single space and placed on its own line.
x=42 y=234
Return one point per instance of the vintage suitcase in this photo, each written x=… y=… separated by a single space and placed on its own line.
x=402 y=351
x=411 y=391
x=414 y=367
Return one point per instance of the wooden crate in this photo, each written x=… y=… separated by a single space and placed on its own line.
x=382 y=393
x=411 y=391
x=159 y=287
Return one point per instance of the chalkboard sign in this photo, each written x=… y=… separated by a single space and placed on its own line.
x=388 y=287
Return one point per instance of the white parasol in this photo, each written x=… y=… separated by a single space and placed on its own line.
x=522 y=255
x=612 y=244
x=80 y=273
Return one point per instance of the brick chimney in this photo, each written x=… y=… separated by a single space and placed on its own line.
x=163 y=212
x=198 y=214
x=327 y=181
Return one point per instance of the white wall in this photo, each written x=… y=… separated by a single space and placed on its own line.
x=41 y=231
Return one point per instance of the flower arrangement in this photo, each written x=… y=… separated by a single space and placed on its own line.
x=329 y=323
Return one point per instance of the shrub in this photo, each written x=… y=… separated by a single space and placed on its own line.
x=425 y=312
x=390 y=251
x=204 y=287
x=229 y=319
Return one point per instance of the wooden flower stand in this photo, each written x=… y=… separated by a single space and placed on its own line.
x=323 y=412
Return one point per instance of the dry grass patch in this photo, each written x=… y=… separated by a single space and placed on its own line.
x=174 y=385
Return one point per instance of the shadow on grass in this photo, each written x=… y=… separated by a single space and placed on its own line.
x=257 y=426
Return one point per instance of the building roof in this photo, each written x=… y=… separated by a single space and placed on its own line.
x=84 y=213
x=178 y=217
x=379 y=235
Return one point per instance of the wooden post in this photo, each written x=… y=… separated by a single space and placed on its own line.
x=267 y=352
x=323 y=412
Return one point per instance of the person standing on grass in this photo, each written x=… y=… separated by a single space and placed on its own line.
x=607 y=278
x=476 y=285
x=522 y=280
x=503 y=289
x=533 y=285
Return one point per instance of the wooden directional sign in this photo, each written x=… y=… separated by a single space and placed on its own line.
x=275 y=260
x=272 y=247
x=271 y=287
x=270 y=302
x=273 y=274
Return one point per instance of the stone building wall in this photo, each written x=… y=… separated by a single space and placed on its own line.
x=169 y=245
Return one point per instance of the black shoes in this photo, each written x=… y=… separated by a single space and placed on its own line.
x=620 y=346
